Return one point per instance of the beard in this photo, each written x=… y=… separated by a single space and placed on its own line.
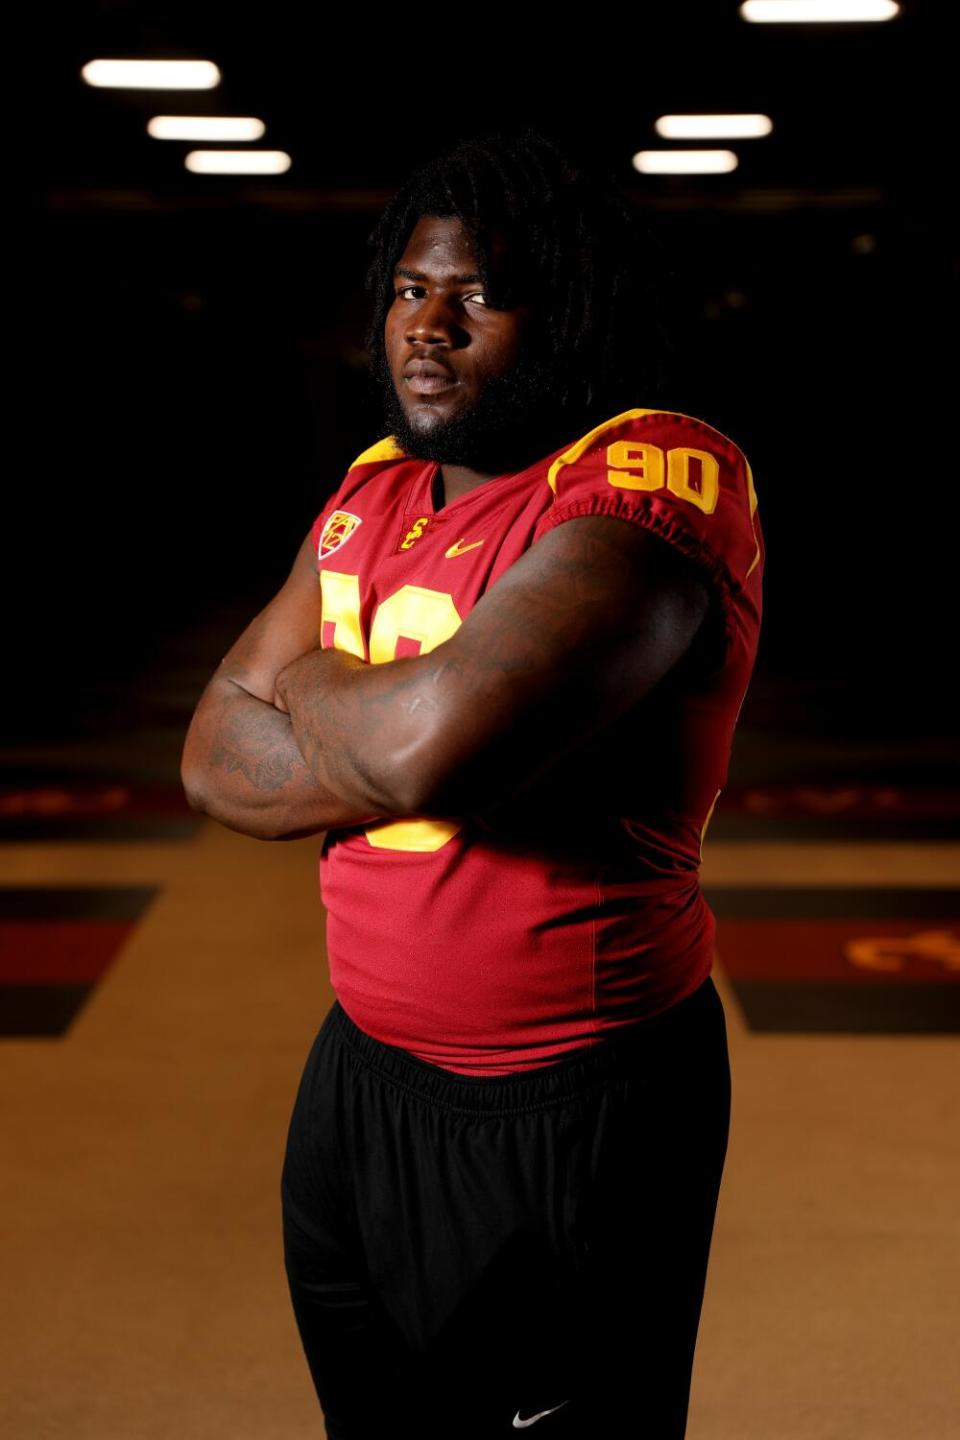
x=511 y=424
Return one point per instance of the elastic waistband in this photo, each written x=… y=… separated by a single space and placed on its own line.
x=522 y=1091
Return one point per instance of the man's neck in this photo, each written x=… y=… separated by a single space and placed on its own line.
x=452 y=481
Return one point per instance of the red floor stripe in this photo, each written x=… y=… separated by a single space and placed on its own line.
x=869 y=952
x=59 y=952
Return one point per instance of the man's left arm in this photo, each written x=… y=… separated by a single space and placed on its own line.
x=572 y=636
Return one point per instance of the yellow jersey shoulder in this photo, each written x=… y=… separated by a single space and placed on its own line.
x=384 y=450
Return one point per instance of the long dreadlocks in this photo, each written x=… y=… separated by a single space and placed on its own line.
x=575 y=247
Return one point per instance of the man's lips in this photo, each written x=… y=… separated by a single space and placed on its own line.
x=429 y=384
x=428 y=377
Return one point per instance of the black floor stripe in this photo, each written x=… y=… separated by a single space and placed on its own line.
x=41 y=1010
x=97 y=828
x=831 y=828
x=801 y=902
x=74 y=902
x=798 y=1008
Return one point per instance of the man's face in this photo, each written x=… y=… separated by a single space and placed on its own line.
x=482 y=384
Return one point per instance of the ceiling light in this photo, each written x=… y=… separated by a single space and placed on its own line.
x=205 y=127
x=714 y=127
x=685 y=162
x=805 y=12
x=152 y=74
x=237 y=162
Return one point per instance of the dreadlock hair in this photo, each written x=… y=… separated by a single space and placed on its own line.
x=576 y=247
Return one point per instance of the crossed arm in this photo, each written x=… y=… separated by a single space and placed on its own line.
x=288 y=738
x=241 y=763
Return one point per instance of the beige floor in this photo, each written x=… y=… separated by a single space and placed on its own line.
x=144 y=1293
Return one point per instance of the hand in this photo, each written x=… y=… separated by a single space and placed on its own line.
x=309 y=672
x=281 y=681
x=284 y=678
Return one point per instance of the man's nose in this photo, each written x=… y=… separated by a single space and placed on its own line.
x=436 y=320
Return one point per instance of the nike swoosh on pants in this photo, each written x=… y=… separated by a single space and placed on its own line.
x=519 y=1424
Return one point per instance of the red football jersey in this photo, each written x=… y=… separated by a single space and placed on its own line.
x=492 y=946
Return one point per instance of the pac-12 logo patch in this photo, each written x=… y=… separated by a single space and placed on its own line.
x=337 y=531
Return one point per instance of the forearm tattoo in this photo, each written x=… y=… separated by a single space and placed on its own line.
x=256 y=740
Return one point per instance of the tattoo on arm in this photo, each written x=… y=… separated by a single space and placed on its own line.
x=257 y=740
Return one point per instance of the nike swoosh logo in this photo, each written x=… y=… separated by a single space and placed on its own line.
x=519 y=1424
x=460 y=549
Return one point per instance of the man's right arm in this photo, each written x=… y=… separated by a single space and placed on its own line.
x=241 y=764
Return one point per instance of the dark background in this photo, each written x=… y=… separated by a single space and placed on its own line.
x=196 y=379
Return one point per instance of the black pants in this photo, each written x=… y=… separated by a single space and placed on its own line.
x=466 y=1253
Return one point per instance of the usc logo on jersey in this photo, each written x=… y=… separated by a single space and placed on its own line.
x=336 y=532
x=414 y=533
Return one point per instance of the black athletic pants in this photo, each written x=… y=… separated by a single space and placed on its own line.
x=468 y=1256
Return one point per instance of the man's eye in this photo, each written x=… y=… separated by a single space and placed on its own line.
x=475 y=295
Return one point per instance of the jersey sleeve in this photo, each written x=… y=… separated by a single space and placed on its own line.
x=674 y=475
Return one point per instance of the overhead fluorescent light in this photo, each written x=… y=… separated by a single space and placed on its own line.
x=205 y=127
x=685 y=162
x=809 y=12
x=713 y=127
x=152 y=74
x=238 y=162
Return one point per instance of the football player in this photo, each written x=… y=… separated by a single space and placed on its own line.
x=503 y=677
